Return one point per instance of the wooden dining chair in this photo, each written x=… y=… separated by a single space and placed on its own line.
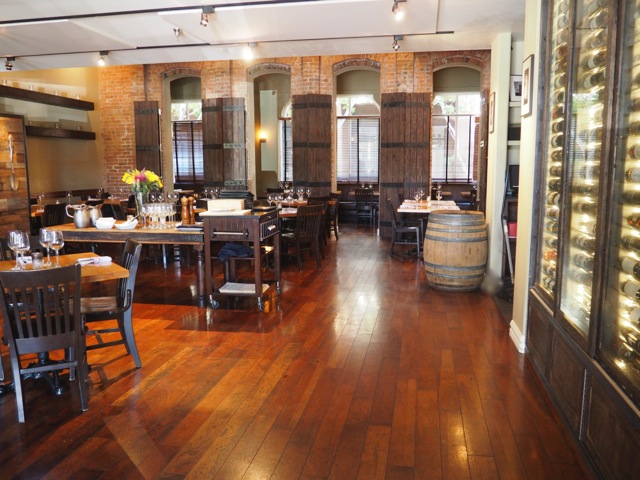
x=38 y=316
x=402 y=235
x=366 y=206
x=117 y=308
x=306 y=234
x=54 y=214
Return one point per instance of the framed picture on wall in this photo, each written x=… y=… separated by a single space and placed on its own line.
x=527 y=86
x=492 y=111
x=515 y=88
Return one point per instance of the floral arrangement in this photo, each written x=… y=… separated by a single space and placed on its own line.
x=142 y=181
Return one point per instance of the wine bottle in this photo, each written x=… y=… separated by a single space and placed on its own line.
x=631 y=288
x=594 y=135
x=549 y=269
x=555 y=184
x=634 y=221
x=553 y=198
x=580 y=276
x=632 y=175
x=631 y=243
x=631 y=196
x=551 y=242
x=633 y=312
x=556 y=155
x=552 y=226
x=594 y=60
x=557 y=140
x=593 y=79
x=584 y=189
x=590 y=227
x=583 y=206
x=634 y=152
x=634 y=104
x=584 y=242
x=588 y=172
x=558 y=97
x=597 y=39
x=558 y=111
x=631 y=266
x=550 y=284
x=558 y=126
x=555 y=171
x=583 y=261
x=559 y=80
x=634 y=128
x=598 y=20
x=562 y=36
x=550 y=255
x=594 y=6
x=625 y=352
x=580 y=311
x=563 y=20
x=631 y=338
x=553 y=212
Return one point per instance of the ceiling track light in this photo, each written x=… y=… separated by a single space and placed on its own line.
x=101 y=60
x=8 y=64
x=204 y=19
x=178 y=33
x=395 y=45
x=396 y=10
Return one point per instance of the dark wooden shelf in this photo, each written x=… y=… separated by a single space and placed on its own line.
x=59 y=133
x=45 y=98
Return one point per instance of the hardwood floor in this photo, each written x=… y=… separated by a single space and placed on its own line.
x=358 y=371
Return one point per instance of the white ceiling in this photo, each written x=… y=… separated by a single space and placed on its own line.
x=133 y=32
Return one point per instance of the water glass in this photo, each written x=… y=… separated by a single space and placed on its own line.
x=45 y=240
x=18 y=242
x=56 y=243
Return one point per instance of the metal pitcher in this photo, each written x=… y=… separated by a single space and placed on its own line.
x=81 y=217
x=95 y=212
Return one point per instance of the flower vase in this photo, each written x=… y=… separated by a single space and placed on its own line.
x=141 y=199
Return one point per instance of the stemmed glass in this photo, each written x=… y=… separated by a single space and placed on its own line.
x=45 y=239
x=56 y=242
x=271 y=198
x=172 y=197
x=439 y=192
x=18 y=242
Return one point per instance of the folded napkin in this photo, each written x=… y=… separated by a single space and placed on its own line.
x=95 y=261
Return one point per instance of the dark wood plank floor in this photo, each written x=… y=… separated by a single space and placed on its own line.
x=358 y=371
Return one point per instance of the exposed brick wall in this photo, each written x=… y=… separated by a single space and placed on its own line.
x=121 y=86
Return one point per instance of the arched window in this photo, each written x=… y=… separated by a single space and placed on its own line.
x=186 y=131
x=455 y=125
x=358 y=139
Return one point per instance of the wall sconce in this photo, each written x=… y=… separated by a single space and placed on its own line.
x=263 y=137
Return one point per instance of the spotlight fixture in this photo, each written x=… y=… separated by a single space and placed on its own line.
x=178 y=33
x=248 y=52
x=101 y=60
x=8 y=64
x=396 y=10
x=395 y=45
x=204 y=19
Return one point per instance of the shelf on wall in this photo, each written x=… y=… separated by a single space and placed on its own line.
x=59 y=133
x=45 y=98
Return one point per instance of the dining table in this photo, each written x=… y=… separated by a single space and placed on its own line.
x=90 y=272
x=174 y=235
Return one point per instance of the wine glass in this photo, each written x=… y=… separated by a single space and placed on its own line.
x=69 y=195
x=439 y=192
x=18 y=242
x=56 y=242
x=270 y=199
x=45 y=239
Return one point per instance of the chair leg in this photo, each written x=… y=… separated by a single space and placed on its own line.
x=393 y=242
x=318 y=255
x=17 y=383
x=129 y=338
x=299 y=255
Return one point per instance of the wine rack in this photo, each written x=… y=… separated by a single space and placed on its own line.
x=619 y=345
x=555 y=140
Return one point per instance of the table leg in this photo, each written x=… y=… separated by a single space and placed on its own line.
x=201 y=275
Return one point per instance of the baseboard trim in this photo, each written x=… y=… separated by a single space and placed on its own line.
x=517 y=337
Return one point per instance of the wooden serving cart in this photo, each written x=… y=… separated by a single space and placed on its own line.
x=251 y=227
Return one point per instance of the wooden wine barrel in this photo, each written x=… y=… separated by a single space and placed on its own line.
x=455 y=250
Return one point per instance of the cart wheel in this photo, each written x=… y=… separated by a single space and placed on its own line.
x=260 y=305
x=215 y=304
x=278 y=288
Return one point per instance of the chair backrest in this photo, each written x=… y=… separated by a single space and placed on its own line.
x=37 y=309
x=129 y=260
x=394 y=221
x=275 y=190
x=308 y=222
x=364 y=197
x=54 y=214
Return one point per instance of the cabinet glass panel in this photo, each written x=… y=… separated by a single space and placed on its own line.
x=583 y=156
x=619 y=344
x=554 y=144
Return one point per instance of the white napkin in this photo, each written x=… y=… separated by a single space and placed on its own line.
x=95 y=261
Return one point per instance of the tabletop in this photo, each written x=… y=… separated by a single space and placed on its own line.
x=139 y=234
x=89 y=273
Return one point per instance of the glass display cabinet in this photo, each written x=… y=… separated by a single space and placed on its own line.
x=583 y=332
